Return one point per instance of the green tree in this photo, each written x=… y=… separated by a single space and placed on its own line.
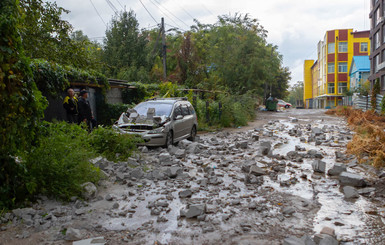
x=125 y=44
x=295 y=93
x=46 y=36
x=22 y=104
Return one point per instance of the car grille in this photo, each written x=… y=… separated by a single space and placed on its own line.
x=137 y=128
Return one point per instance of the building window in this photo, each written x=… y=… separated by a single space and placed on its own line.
x=343 y=67
x=342 y=87
x=342 y=47
x=377 y=18
x=330 y=67
x=331 y=48
x=330 y=88
x=375 y=63
x=376 y=40
x=364 y=47
x=383 y=82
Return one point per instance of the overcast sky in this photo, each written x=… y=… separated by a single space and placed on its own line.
x=295 y=26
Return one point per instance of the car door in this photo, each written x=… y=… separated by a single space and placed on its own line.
x=187 y=120
x=177 y=123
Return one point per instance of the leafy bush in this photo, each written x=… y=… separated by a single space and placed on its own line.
x=59 y=162
x=382 y=105
x=112 y=145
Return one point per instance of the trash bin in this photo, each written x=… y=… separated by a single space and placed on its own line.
x=271 y=104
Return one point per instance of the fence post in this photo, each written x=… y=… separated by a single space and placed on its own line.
x=207 y=112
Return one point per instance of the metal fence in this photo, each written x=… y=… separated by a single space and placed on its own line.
x=362 y=102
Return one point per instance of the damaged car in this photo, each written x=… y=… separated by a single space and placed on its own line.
x=160 y=121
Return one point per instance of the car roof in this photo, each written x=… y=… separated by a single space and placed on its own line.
x=167 y=100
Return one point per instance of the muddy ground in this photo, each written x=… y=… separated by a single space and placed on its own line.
x=259 y=184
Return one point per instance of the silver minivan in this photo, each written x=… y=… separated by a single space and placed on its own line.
x=160 y=121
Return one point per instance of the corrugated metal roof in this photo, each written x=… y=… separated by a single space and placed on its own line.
x=362 y=63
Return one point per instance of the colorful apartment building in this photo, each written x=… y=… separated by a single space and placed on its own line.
x=328 y=77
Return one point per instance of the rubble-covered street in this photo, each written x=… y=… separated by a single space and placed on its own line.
x=284 y=179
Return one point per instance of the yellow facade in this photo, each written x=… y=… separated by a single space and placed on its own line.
x=329 y=74
x=307 y=82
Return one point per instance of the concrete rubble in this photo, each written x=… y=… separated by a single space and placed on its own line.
x=265 y=184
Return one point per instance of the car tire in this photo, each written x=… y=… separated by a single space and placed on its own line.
x=193 y=133
x=287 y=106
x=169 y=139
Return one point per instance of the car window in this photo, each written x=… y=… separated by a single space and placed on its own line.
x=161 y=109
x=185 y=110
x=192 y=111
x=177 y=111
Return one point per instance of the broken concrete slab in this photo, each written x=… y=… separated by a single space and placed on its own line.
x=319 y=166
x=91 y=241
x=352 y=179
x=337 y=169
x=89 y=190
x=195 y=210
x=350 y=192
x=257 y=171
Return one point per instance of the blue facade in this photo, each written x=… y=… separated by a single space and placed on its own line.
x=359 y=71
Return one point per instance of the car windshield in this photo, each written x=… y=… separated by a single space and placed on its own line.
x=161 y=109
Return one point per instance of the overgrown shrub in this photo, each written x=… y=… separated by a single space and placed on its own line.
x=368 y=144
x=112 y=145
x=59 y=162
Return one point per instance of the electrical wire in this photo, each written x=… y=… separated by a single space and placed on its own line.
x=98 y=13
x=165 y=14
x=112 y=6
x=171 y=13
x=120 y=4
x=148 y=11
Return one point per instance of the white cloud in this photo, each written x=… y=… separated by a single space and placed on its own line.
x=295 y=26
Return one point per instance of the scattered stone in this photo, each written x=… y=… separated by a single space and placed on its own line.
x=293 y=241
x=352 y=179
x=73 y=234
x=180 y=153
x=350 y=192
x=257 y=171
x=91 y=241
x=137 y=173
x=89 y=190
x=265 y=147
x=185 y=193
x=288 y=211
x=109 y=197
x=165 y=159
x=241 y=145
x=328 y=231
x=337 y=169
x=319 y=166
x=195 y=210
x=366 y=191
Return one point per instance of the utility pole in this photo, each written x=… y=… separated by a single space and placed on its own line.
x=164 y=50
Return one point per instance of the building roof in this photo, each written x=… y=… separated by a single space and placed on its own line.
x=362 y=63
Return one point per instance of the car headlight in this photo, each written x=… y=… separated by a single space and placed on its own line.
x=156 y=131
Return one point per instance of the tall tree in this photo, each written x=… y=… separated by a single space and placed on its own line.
x=47 y=36
x=21 y=102
x=125 y=44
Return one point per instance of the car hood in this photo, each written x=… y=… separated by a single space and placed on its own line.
x=135 y=119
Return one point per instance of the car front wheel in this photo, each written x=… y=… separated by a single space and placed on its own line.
x=193 y=133
x=287 y=106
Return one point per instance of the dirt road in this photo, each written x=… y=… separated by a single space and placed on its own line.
x=266 y=183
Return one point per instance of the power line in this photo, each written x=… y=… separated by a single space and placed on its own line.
x=171 y=13
x=148 y=11
x=120 y=4
x=98 y=13
x=112 y=6
x=165 y=14
x=185 y=10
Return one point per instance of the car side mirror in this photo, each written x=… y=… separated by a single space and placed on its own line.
x=178 y=117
